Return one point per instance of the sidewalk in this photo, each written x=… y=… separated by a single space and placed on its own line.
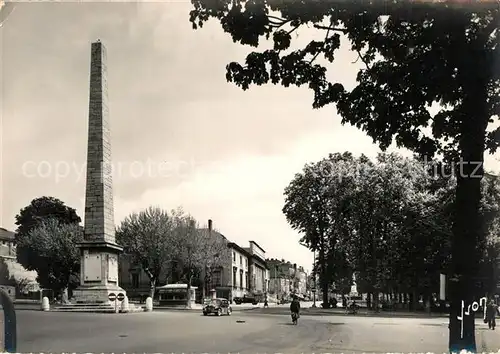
x=487 y=341
x=369 y=313
x=318 y=311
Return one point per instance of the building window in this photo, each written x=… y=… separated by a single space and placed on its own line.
x=217 y=278
x=241 y=260
x=246 y=262
x=246 y=280
x=135 y=280
x=234 y=256
x=241 y=279
x=234 y=276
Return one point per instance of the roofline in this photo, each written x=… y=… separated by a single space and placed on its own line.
x=263 y=261
x=256 y=244
x=11 y=236
x=239 y=248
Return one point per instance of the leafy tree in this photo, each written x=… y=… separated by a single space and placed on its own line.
x=340 y=270
x=55 y=256
x=32 y=216
x=149 y=238
x=5 y=277
x=490 y=244
x=314 y=206
x=415 y=54
x=14 y=274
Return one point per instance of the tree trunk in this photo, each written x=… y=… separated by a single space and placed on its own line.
x=188 y=298
x=64 y=297
x=324 y=278
x=376 y=301
x=152 y=281
x=415 y=298
x=205 y=285
x=467 y=222
x=152 y=288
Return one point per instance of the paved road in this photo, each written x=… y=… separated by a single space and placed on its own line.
x=189 y=332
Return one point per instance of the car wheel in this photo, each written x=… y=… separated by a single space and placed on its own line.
x=219 y=312
x=205 y=314
x=229 y=310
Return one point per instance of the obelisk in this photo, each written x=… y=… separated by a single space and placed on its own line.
x=99 y=251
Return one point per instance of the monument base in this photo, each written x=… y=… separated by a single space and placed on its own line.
x=98 y=274
x=96 y=294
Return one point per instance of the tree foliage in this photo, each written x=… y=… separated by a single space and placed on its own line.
x=149 y=238
x=199 y=250
x=315 y=205
x=170 y=244
x=409 y=51
x=14 y=274
x=55 y=256
x=388 y=221
x=34 y=215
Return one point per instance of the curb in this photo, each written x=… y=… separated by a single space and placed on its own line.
x=380 y=315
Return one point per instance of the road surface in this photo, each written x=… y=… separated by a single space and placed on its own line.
x=190 y=332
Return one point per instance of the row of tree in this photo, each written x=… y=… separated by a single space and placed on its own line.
x=167 y=245
x=388 y=222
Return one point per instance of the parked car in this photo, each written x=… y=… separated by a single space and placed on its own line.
x=218 y=307
x=246 y=300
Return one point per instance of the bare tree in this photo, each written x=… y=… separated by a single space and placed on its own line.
x=149 y=238
x=216 y=253
x=198 y=249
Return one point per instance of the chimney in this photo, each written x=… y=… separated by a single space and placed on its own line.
x=210 y=225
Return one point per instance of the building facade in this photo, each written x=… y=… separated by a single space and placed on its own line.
x=287 y=279
x=12 y=272
x=240 y=271
x=259 y=271
x=135 y=281
x=7 y=244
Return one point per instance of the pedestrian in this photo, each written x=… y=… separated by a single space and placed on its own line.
x=295 y=309
x=266 y=304
x=491 y=312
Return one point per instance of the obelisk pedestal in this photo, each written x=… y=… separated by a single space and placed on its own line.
x=99 y=251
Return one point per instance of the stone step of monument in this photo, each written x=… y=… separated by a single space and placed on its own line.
x=106 y=308
x=96 y=308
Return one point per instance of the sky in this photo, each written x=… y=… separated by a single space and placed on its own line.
x=181 y=135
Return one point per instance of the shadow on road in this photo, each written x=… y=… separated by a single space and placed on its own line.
x=286 y=324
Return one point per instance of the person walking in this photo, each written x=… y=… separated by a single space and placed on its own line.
x=295 y=309
x=491 y=312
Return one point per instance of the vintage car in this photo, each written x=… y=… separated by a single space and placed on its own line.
x=218 y=307
x=246 y=299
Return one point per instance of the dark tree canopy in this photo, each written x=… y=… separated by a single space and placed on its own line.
x=41 y=209
x=410 y=55
x=33 y=216
x=54 y=254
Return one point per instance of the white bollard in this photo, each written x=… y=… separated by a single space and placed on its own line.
x=125 y=305
x=45 y=304
x=149 y=304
